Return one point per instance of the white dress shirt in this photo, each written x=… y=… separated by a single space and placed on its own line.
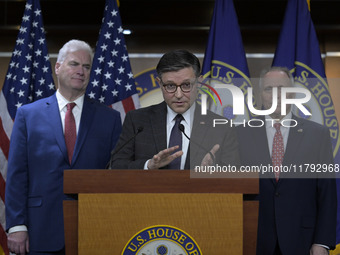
x=187 y=123
x=62 y=104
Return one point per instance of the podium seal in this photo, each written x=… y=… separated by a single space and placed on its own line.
x=161 y=240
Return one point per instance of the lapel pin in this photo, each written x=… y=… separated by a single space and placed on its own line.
x=202 y=122
x=300 y=130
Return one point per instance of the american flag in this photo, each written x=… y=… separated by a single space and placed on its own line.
x=112 y=82
x=29 y=78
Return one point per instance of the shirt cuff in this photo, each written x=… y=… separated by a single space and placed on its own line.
x=146 y=165
x=324 y=246
x=17 y=229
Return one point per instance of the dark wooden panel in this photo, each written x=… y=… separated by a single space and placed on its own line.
x=71 y=226
x=139 y=181
x=250 y=216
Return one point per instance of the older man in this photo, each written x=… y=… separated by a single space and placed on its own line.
x=296 y=215
x=64 y=131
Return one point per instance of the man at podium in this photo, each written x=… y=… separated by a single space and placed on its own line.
x=159 y=136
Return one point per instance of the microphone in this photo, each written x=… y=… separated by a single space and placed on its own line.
x=115 y=151
x=181 y=128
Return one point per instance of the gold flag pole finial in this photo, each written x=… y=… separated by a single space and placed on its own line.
x=308 y=2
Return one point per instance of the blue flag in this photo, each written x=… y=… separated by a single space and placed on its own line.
x=298 y=49
x=111 y=80
x=29 y=78
x=225 y=60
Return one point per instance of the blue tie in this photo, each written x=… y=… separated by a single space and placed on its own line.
x=176 y=139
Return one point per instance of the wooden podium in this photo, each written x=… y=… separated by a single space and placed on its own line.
x=113 y=205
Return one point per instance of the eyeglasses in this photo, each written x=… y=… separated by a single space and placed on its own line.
x=185 y=87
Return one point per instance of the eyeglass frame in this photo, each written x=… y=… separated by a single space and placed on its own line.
x=192 y=83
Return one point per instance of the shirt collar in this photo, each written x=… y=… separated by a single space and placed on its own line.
x=270 y=121
x=188 y=115
x=62 y=101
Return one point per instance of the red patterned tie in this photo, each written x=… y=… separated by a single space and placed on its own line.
x=70 y=131
x=278 y=150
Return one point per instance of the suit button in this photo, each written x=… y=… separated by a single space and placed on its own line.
x=277 y=194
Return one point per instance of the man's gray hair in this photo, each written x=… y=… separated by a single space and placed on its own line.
x=72 y=46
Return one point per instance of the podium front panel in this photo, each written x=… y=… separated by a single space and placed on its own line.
x=108 y=221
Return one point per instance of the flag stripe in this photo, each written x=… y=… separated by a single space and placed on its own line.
x=3 y=237
x=3 y=165
x=3 y=240
x=120 y=108
x=2 y=188
x=29 y=78
x=128 y=104
x=136 y=101
x=4 y=140
x=7 y=122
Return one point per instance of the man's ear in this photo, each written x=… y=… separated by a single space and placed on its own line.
x=159 y=81
x=199 y=81
x=56 y=68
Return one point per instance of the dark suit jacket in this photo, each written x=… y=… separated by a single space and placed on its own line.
x=38 y=157
x=296 y=213
x=153 y=138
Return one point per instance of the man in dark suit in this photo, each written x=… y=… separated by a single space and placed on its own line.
x=178 y=75
x=39 y=153
x=297 y=216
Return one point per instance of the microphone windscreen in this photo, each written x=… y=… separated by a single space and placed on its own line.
x=181 y=127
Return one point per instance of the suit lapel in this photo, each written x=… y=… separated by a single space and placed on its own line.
x=53 y=114
x=263 y=143
x=294 y=140
x=158 y=126
x=260 y=137
x=260 y=140
x=199 y=133
x=86 y=120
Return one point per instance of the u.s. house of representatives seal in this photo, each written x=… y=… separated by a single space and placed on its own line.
x=161 y=240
